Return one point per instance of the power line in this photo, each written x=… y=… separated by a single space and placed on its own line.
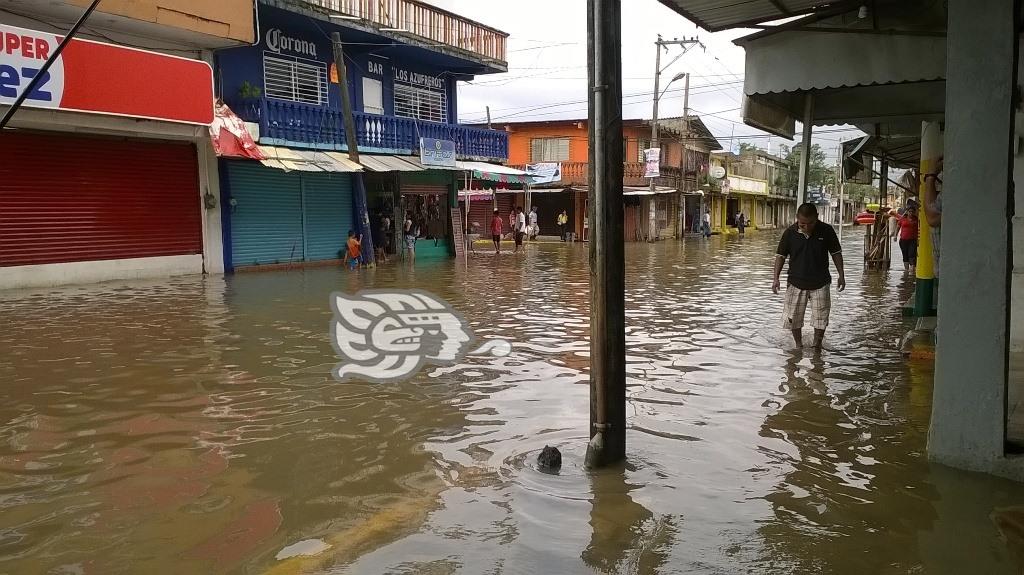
x=645 y=95
x=632 y=100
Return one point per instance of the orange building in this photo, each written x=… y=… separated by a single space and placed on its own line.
x=648 y=216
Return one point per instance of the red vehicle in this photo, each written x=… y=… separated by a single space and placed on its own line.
x=867 y=217
x=864 y=219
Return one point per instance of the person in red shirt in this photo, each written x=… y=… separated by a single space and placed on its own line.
x=908 y=238
x=496 y=231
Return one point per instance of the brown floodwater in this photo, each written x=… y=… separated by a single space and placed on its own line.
x=192 y=426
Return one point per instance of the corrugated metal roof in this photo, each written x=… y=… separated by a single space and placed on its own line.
x=715 y=15
x=291 y=160
x=389 y=164
x=791 y=61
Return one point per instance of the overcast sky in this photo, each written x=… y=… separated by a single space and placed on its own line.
x=547 y=59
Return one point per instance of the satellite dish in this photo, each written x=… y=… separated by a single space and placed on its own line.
x=717 y=172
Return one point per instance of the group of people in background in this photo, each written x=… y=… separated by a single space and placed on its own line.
x=522 y=225
x=518 y=223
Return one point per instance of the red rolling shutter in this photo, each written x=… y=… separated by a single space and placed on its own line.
x=66 y=198
x=481 y=212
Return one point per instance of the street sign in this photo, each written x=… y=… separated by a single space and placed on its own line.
x=99 y=78
x=717 y=172
x=652 y=161
x=439 y=153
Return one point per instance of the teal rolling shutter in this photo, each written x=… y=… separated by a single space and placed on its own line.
x=327 y=200
x=266 y=219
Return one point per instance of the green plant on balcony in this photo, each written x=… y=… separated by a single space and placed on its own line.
x=249 y=101
x=248 y=91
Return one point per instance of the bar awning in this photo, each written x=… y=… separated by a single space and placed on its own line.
x=290 y=160
x=495 y=172
x=385 y=163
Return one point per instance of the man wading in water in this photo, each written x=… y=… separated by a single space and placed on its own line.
x=807 y=244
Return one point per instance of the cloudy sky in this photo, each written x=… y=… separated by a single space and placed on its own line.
x=547 y=58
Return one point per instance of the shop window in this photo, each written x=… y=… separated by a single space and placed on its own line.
x=373 y=96
x=295 y=79
x=427 y=104
x=549 y=150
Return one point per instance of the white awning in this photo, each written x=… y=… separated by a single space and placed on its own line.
x=856 y=75
x=646 y=191
x=495 y=172
x=488 y=167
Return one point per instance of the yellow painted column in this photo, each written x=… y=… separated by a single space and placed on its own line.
x=931 y=150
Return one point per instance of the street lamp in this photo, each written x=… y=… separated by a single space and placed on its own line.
x=660 y=45
x=654 y=144
x=678 y=76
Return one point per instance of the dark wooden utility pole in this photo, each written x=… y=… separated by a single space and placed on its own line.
x=607 y=266
x=360 y=204
x=346 y=100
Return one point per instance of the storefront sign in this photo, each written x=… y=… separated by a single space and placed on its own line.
x=437 y=153
x=545 y=173
x=278 y=42
x=418 y=79
x=652 y=157
x=100 y=78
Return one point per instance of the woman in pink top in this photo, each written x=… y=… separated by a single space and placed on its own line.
x=496 y=231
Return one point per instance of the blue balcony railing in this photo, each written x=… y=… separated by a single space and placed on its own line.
x=300 y=125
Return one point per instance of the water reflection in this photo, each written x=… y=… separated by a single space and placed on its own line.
x=192 y=426
x=626 y=537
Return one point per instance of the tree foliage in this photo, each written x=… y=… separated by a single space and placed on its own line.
x=819 y=174
x=746 y=147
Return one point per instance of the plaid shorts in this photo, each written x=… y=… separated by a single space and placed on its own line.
x=797 y=301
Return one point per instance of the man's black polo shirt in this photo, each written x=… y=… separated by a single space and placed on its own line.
x=808 y=256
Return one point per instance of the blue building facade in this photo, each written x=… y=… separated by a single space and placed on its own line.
x=402 y=88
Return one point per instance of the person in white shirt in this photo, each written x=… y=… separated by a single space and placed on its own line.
x=534 y=228
x=520 y=228
x=707 y=224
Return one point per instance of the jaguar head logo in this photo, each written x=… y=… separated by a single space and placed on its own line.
x=383 y=335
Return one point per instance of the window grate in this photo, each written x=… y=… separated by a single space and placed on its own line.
x=421 y=103
x=295 y=79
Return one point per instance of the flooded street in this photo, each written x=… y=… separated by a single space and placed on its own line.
x=192 y=426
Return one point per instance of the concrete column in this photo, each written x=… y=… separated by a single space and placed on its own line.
x=969 y=406
x=805 y=156
x=209 y=183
